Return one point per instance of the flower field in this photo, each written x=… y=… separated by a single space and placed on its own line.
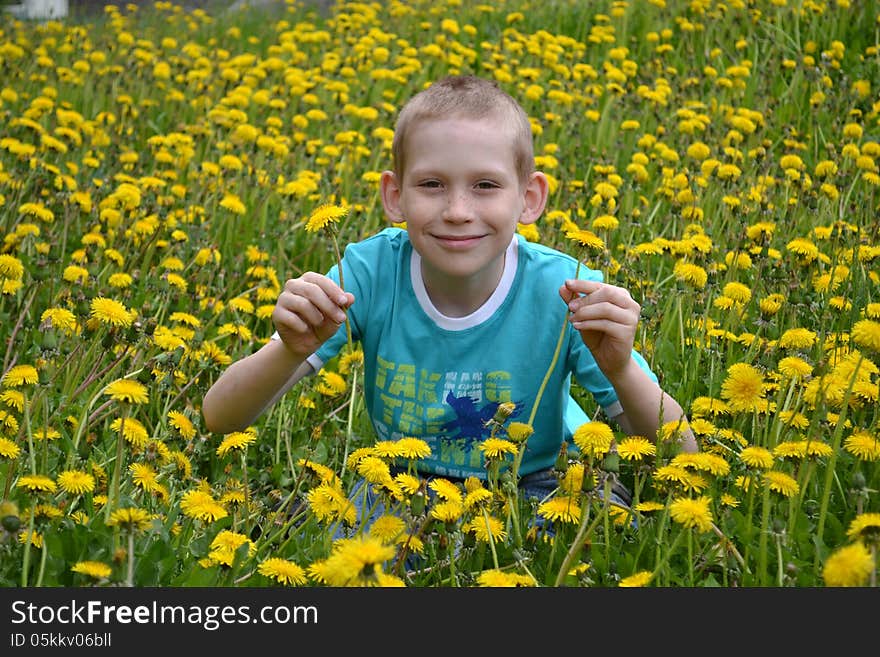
x=159 y=168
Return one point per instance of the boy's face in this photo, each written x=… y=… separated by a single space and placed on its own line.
x=461 y=198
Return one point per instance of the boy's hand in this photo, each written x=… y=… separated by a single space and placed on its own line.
x=607 y=317
x=309 y=310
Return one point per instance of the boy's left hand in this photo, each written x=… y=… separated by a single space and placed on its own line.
x=607 y=317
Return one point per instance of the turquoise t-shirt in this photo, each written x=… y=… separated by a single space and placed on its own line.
x=442 y=378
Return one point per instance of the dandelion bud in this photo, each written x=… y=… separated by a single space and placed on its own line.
x=611 y=462
x=519 y=432
x=858 y=480
x=9 y=516
x=417 y=503
x=562 y=458
x=150 y=326
x=48 y=340
x=504 y=411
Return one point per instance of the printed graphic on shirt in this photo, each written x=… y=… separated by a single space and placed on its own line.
x=449 y=410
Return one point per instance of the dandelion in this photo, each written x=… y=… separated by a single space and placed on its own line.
x=130 y=518
x=560 y=509
x=283 y=571
x=500 y=579
x=782 y=483
x=132 y=431
x=20 y=375
x=225 y=546
x=374 y=470
x=519 y=432
x=9 y=449
x=332 y=384
x=200 y=505
x=692 y=513
x=848 y=566
x=636 y=448
x=357 y=562
x=387 y=528
x=59 y=318
x=486 y=529
x=866 y=334
x=496 y=448
x=594 y=438
x=325 y=215
x=111 y=312
x=865 y=526
x=639 y=579
x=129 y=391
x=76 y=482
x=236 y=440
x=585 y=238
x=863 y=445
x=693 y=275
x=413 y=448
x=182 y=424
x=445 y=489
x=449 y=511
x=36 y=483
x=233 y=203
x=94 y=569
x=797 y=338
x=757 y=457
x=743 y=388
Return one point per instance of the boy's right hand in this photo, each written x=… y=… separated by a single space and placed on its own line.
x=309 y=311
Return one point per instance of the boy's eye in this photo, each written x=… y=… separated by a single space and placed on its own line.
x=486 y=184
x=431 y=184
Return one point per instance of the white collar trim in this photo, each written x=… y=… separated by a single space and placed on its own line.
x=482 y=313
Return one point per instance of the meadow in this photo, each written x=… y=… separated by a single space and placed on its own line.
x=159 y=168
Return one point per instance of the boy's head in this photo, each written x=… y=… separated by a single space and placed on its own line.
x=470 y=97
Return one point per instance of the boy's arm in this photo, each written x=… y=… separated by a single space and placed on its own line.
x=251 y=385
x=646 y=406
x=606 y=317
x=309 y=310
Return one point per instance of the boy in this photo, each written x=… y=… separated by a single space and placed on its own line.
x=458 y=313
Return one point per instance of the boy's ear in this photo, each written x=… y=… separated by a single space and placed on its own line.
x=536 y=192
x=389 y=188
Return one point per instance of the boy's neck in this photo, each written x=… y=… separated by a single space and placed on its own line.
x=460 y=297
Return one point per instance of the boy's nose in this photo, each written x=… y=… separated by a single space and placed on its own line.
x=458 y=207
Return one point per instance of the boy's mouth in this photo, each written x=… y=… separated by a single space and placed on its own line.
x=458 y=241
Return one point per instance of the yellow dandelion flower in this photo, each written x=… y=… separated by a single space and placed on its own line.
x=129 y=391
x=863 y=445
x=200 y=505
x=94 y=569
x=111 y=312
x=76 y=482
x=848 y=566
x=782 y=483
x=131 y=518
x=561 y=509
x=594 y=438
x=36 y=483
x=325 y=215
x=636 y=580
x=636 y=448
x=692 y=513
x=236 y=440
x=496 y=448
x=19 y=375
x=283 y=571
x=8 y=449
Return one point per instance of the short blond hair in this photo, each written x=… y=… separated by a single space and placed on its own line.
x=471 y=97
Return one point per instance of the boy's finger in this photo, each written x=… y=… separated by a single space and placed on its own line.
x=580 y=286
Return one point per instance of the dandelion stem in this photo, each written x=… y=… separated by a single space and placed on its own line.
x=578 y=542
x=832 y=462
x=129 y=577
